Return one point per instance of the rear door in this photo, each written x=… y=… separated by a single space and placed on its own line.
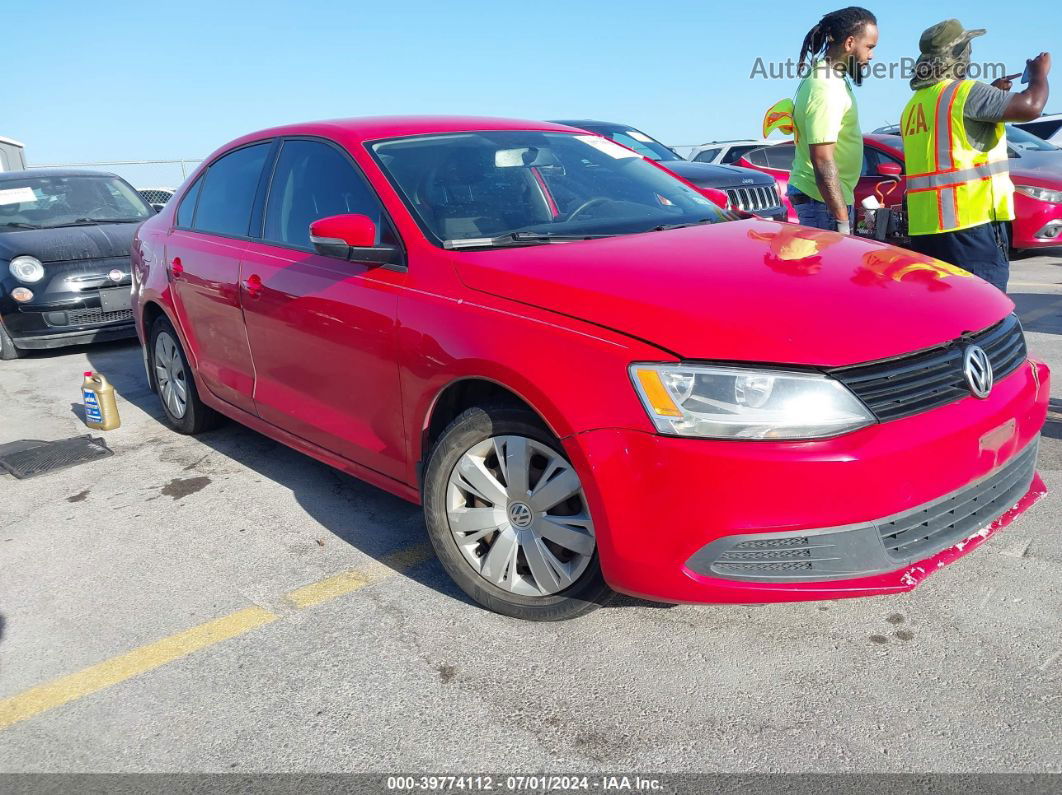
x=322 y=330
x=203 y=255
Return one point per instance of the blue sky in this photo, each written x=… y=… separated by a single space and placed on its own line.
x=147 y=80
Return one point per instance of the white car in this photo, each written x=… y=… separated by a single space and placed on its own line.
x=1048 y=127
x=726 y=152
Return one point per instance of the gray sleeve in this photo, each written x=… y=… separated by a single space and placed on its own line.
x=985 y=103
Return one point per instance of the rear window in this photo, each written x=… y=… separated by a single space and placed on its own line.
x=228 y=192
x=186 y=210
x=707 y=156
x=780 y=156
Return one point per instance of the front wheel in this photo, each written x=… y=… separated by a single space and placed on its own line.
x=508 y=517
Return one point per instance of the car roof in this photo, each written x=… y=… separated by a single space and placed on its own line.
x=740 y=141
x=355 y=131
x=6 y=176
x=370 y=128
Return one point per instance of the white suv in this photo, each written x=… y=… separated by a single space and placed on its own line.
x=726 y=152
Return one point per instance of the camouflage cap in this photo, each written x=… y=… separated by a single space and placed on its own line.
x=945 y=53
x=946 y=39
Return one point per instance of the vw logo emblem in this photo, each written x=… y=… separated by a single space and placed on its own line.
x=978 y=371
x=520 y=514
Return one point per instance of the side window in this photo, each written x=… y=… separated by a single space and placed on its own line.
x=736 y=153
x=780 y=156
x=186 y=212
x=707 y=156
x=870 y=162
x=758 y=157
x=228 y=192
x=313 y=180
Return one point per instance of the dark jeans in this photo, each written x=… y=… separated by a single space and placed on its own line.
x=983 y=250
x=812 y=212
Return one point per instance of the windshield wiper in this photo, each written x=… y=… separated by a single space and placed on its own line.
x=107 y=220
x=665 y=227
x=19 y=225
x=516 y=239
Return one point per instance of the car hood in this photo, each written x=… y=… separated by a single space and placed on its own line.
x=751 y=291
x=66 y=243
x=709 y=175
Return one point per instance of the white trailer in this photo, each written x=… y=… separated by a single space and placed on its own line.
x=12 y=155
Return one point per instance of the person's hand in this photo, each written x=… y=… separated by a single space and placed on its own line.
x=1040 y=65
x=1004 y=83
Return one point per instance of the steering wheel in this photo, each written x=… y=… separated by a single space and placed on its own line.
x=586 y=205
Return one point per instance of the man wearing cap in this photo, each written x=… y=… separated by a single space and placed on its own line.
x=959 y=193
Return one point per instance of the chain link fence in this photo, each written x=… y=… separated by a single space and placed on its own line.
x=144 y=175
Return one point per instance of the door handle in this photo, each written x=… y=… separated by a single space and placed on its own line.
x=176 y=268
x=253 y=285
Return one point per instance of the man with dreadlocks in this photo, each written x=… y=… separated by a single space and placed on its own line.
x=959 y=193
x=829 y=143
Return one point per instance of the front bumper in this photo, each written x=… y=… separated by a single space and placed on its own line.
x=1037 y=224
x=659 y=502
x=56 y=319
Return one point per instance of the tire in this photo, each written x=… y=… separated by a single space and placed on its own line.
x=8 y=351
x=502 y=560
x=170 y=371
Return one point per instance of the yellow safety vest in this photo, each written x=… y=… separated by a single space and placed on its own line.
x=950 y=184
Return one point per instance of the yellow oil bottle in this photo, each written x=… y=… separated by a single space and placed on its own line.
x=101 y=410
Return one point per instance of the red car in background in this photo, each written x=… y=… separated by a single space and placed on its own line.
x=589 y=375
x=1035 y=170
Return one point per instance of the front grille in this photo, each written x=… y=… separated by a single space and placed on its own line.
x=758 y=197
x=932 y=378
x=923 y=532
x=760 y=568
x=85 y=317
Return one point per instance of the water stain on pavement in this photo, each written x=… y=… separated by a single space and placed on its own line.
x=182 y=487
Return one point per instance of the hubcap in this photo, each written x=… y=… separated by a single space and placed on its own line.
x=519 y=516
x=169 y=374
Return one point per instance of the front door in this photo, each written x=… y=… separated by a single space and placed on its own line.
x=322 y=330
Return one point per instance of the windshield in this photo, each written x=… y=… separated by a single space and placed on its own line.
x=1025 y=141
x=640 y=143
x=471 y=186
x=46 y=202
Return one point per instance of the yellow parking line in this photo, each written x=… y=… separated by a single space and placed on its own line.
x=146 y=658
x=110 y=672
x=323 y=590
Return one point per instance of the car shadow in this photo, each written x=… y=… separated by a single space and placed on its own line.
x=1053 y=426
x=368 y=518
x=1040 y=312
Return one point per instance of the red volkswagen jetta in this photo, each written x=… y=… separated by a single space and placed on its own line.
x=588 y=376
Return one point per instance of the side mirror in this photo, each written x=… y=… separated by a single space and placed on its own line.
x=890 y=170
x=352 y=238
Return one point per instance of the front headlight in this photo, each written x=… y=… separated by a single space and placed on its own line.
x=1041 y=194
x=27 y=269
x=740 y=403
